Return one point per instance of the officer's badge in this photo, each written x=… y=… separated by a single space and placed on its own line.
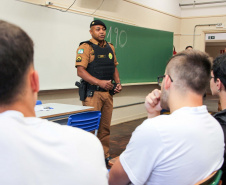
x=79 y=59
x=110 y=56
x=101 y=56
x=80 y=51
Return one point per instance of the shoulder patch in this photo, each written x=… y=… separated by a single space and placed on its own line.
x=110 y=43
x=79 y=59
x=80 y=51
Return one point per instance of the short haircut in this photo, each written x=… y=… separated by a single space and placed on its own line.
x=189 y=47
x=190 y=70
x=219 y=68
x=16 y=56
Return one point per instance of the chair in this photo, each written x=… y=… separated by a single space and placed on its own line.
x=38 y=102
x=88 y=121
x=212 y=179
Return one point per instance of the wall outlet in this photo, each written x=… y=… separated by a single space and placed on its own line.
x=48 y=3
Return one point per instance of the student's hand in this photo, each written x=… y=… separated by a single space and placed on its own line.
x=152 y=103
x=118 y=88
x=106 y=84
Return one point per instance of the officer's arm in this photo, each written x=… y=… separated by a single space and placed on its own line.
x=116 y=76
x=117 y=80
x=105 y=84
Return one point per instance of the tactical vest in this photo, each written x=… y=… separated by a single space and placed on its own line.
x=102 y=67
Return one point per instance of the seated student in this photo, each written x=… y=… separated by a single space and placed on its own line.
x=177 y=149
x=218 y=87
x=34 y=150
x=189 y=48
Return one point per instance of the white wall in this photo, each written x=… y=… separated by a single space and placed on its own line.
x=202 y=10
x=167 y=6
x=200 y=25
x=55 y=37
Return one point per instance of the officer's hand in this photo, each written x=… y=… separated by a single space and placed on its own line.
x=106 y=84
x=118 y=88
x=152 y=103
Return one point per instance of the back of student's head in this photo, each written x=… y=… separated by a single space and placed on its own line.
x=219 y=68
x=16 y=56
x=190 y=70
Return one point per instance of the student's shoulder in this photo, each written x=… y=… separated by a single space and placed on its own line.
x=152 y=126
x=63 y=130
x=156 y=121
x=150 y=131
x=74 y=132
x=74 y=135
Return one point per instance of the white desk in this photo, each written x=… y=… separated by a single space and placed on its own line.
x=60 y=111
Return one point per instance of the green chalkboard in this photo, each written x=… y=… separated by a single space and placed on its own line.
x=142 y=53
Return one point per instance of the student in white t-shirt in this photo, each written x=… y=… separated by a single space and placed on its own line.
x=177 y=149
x=33 y=150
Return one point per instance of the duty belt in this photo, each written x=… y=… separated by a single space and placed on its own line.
x=95 y=88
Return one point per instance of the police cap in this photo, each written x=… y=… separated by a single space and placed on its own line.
x=97 y=22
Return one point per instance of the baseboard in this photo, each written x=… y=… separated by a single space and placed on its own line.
x=128 y=118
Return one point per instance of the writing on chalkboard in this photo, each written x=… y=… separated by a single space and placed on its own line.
x=120 y=37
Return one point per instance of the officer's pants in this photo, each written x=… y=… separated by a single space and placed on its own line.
x=103 y=102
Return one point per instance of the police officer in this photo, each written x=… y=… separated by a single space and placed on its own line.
x=96 y=64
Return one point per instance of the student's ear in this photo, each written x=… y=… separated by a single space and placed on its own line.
x=34 y=79
x=220 y=85
x=167 y=82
